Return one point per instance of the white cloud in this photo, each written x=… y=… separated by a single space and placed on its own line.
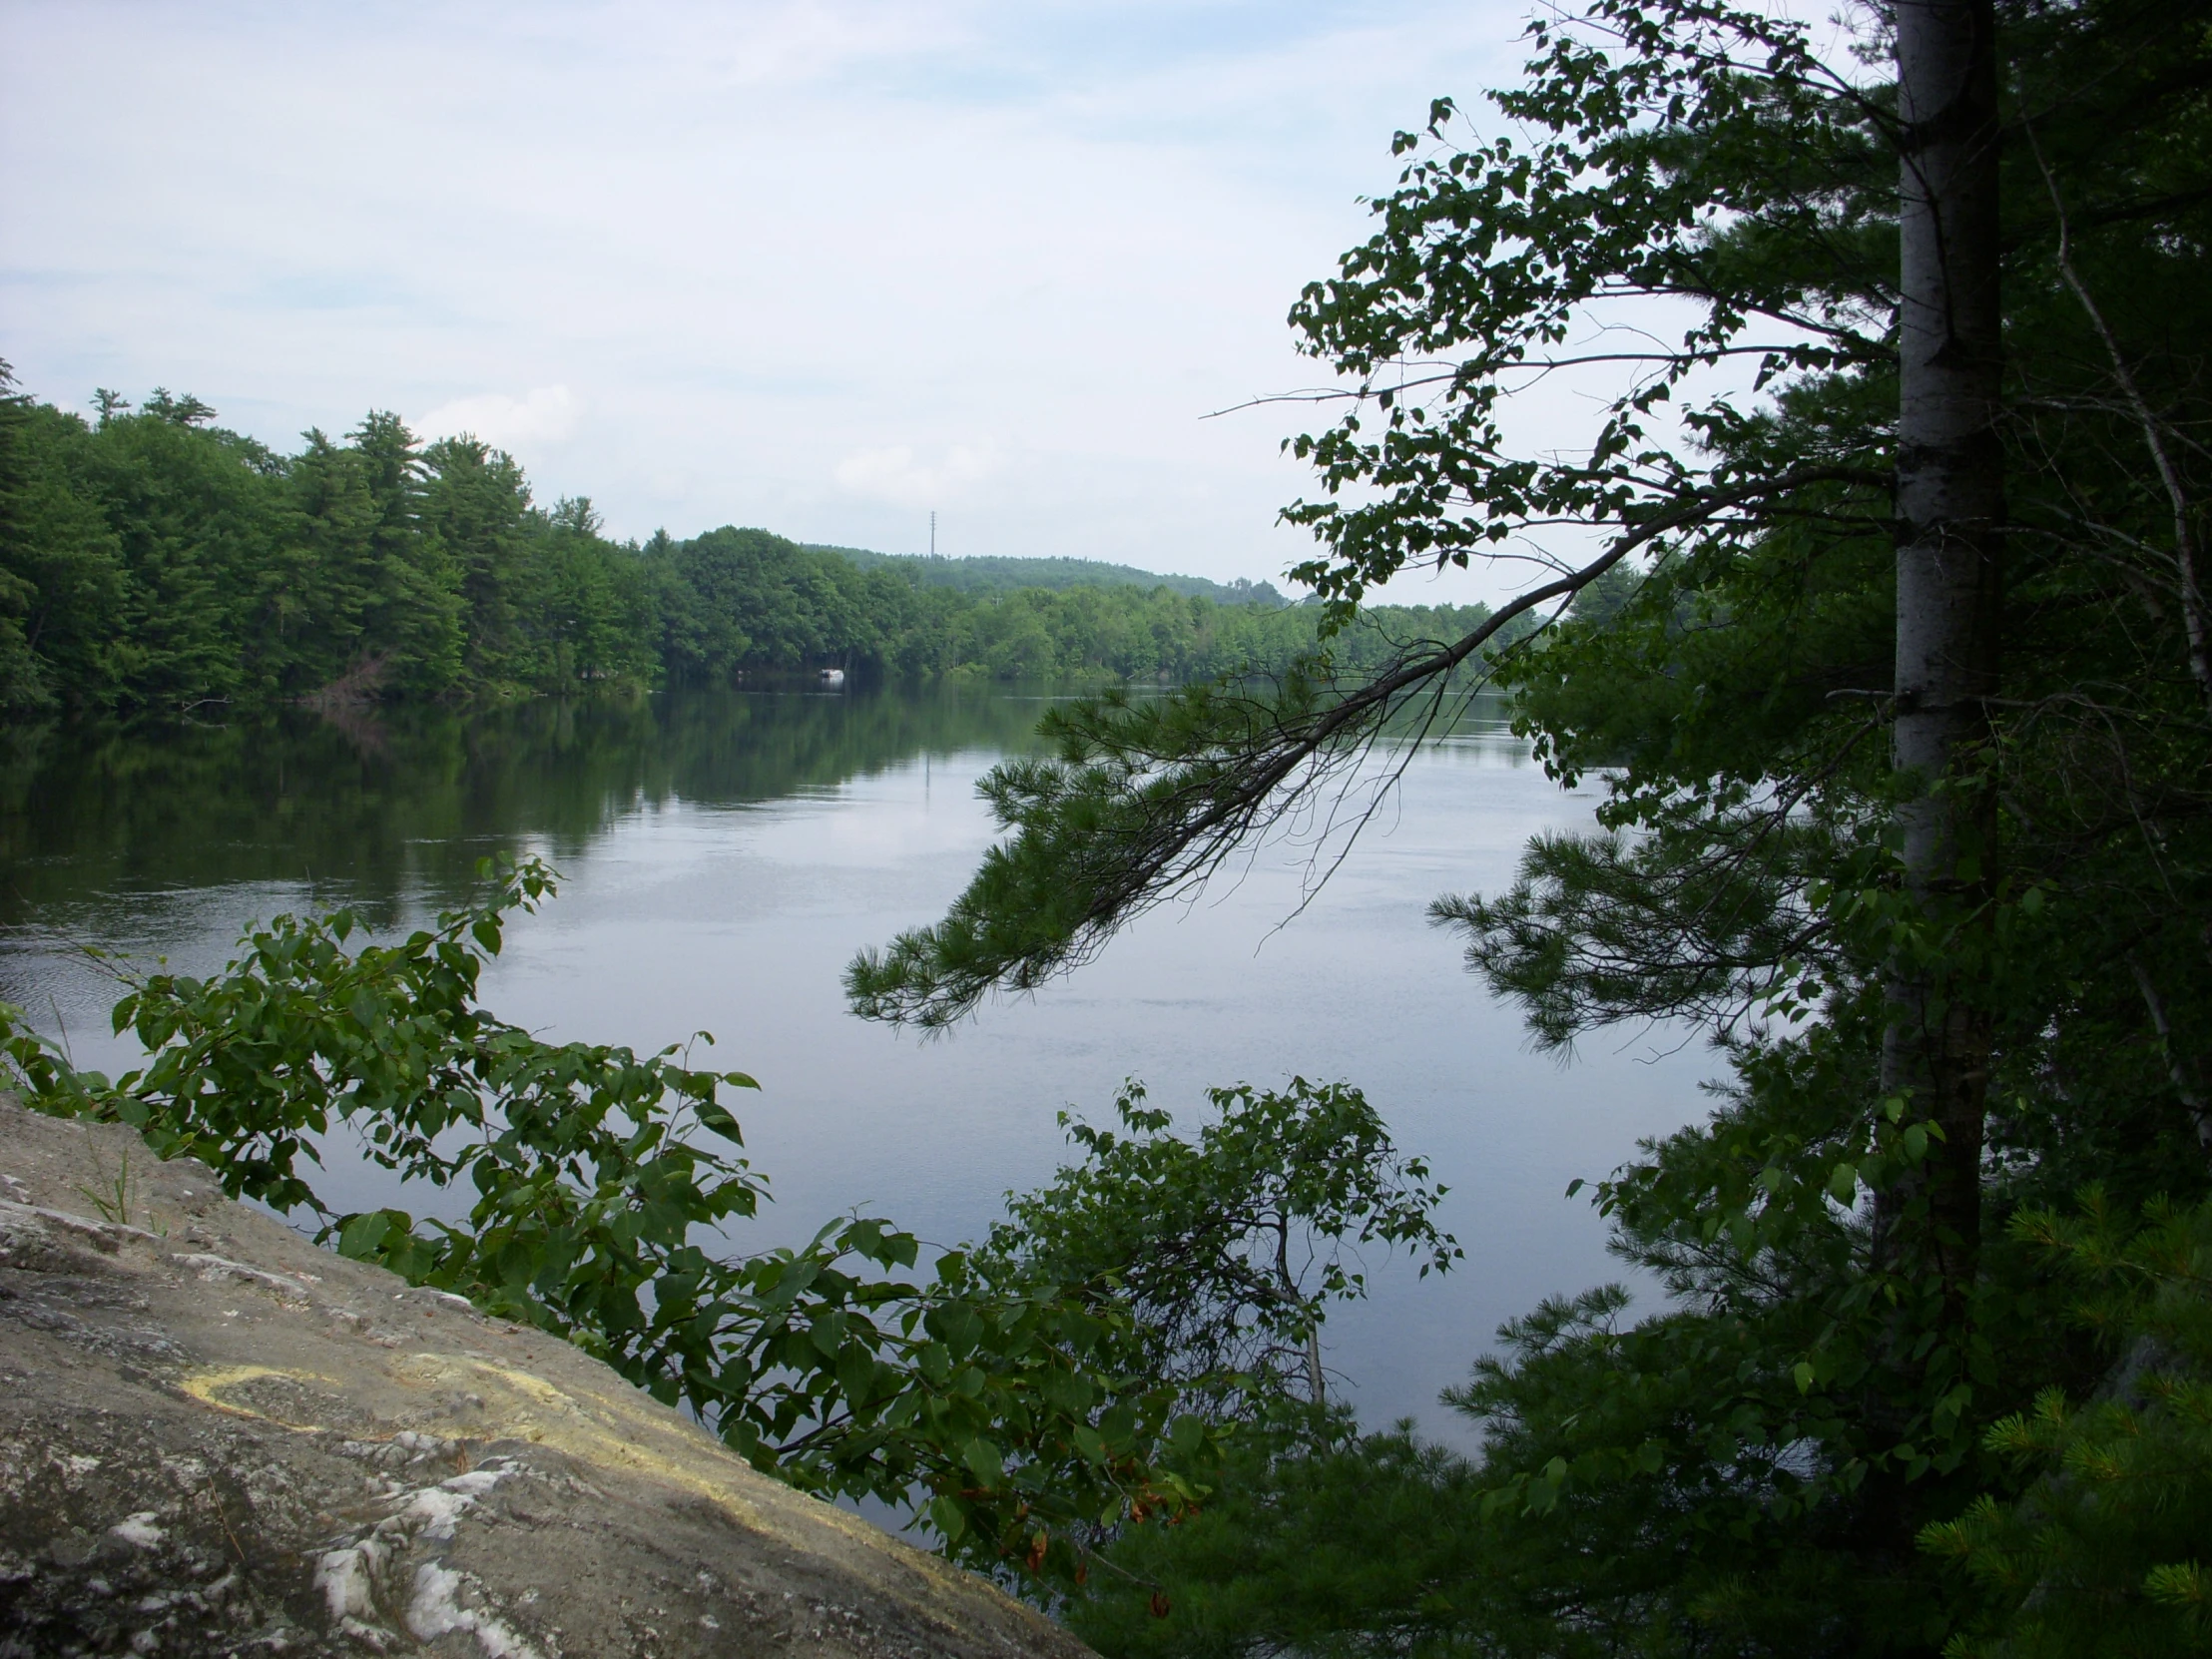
x=775 y=247
x=894 y=474
x=545 y=415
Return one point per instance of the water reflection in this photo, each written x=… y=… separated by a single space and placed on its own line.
x=726 y=854
x=399 y=806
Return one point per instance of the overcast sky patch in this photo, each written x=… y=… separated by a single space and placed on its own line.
x=820 y=267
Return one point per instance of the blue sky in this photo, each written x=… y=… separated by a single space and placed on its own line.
x=819 y=268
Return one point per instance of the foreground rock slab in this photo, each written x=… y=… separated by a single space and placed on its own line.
x=216 y=1439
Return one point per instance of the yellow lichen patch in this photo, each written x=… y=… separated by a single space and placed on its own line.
x=207 y=1388
x=613 y=1433
x=607 y=1432
x=471 y=1398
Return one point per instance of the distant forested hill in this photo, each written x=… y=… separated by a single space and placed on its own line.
x=152 y=560
x=990 y=574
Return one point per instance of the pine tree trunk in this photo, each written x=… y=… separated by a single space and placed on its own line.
x=1950 y=504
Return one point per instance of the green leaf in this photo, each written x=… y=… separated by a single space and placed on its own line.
x=721 y=1120
x=985 y=1459
x=949 y=1519
x=362 y=1235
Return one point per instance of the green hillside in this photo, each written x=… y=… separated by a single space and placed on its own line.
x=993 y=575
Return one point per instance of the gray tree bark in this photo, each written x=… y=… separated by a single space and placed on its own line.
x=1950 y=507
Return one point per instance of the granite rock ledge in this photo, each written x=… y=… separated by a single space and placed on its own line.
x=216 y=1440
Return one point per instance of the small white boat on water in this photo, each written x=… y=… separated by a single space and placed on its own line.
x=833 y=676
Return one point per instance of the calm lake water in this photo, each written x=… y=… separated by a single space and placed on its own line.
x=725 y=853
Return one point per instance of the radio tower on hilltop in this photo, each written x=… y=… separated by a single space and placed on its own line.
x=932 y=533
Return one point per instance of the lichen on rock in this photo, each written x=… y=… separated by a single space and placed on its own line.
x=216 y=1439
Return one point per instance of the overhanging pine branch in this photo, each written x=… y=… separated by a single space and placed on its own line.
x=1147 y=798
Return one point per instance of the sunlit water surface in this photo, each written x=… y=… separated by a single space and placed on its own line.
x=723 y=857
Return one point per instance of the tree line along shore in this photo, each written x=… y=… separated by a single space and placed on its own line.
x=153 y=560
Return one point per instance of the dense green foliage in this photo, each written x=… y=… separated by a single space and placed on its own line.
x=2106 y=1553
x=740 y=599
x=990 y=573
x=154 y=561
x=1874 y=1412
x=158 y=561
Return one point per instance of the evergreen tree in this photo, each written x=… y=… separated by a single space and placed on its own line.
x=475 y=505
x=61 y=577
x=198 y=514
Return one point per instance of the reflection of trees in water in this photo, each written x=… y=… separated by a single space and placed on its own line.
x=406 y=801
